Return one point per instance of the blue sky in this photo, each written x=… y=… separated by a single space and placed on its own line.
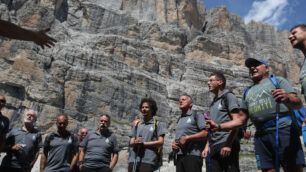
x=282 y=14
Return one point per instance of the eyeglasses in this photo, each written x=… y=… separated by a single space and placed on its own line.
x=212 y=80
x=2 y=100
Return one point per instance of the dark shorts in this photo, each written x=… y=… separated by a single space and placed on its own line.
x=10 y=169
x=290 y=149
x=141 y=167
x=103 y=169
x=189 y=163
x=228 y=164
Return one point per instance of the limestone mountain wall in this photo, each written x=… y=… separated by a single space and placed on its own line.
x=110 y=54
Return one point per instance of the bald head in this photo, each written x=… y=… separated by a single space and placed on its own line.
x=62 y=122
x=82 y=133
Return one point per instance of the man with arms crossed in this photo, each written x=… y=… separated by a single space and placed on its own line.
x=98 y=147
x=260 y=105
x=22 y=146
x=190 y=135
x=60 y=149
x=225 y=146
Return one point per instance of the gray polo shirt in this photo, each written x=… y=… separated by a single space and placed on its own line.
x=4 y=125
x=60 y=151
x=188 y=124
x=261 y=105
x=22 y=158
x=149 y=133
x=303 y=70
x=99 y=149
x=220 y=113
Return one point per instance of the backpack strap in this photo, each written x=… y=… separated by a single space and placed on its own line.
x=49 y=138
x=274 y=81
x=155 y=133
x=136 y=127
x=246 y=92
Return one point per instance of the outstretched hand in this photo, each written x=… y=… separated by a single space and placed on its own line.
x=42 y=39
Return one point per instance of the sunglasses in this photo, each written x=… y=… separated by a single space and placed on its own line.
x=2 y=100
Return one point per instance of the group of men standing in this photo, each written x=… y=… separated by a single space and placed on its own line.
x=98 y=149
x=269 y=108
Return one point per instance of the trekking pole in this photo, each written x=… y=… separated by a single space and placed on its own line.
x=276 y=138
x=135 y=160
x=274 y=81
x=209 y=145
x=209 y=153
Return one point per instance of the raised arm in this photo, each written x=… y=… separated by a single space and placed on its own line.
x=13 y=31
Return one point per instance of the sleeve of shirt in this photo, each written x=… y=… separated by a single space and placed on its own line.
x=200 y=121
x=85 y=140
x=75 y=140
x=47 y=141
x=232 y=102
x=39 y=140
x=160 y=130
x=10 y=138
x=133 y=132
x=243 y=104
x=284 y=84
x=115 y=143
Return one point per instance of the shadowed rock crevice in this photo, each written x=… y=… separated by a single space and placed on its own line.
x=13 y=90
x=61 y=10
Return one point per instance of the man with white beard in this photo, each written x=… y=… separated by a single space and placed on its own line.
x=22 y=146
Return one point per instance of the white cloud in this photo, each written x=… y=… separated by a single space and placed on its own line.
x=270 y=11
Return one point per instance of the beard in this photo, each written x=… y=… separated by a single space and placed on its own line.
x=28 y=121
x=102 y=126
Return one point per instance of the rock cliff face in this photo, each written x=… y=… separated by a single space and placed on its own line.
x=110 y=54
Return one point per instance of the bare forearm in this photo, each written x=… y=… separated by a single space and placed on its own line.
x=81 y=155
x=233 y=133
x=35 y=158
x=132 y=142
x=43 y=161
x=156 y=144
x=231 y=137
x=293 y=102
x=114 y=160
x=74 y=160
x=236 y=123
x=202 y=135
x=13 y=31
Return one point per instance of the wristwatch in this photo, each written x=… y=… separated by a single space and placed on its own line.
x=219 y=127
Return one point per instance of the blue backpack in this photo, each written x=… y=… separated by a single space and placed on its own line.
x=299 y=114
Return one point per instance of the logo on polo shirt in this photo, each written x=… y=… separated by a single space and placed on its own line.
x=151 y=129
x=188 y=121
x=34 y=138
x=107 y=141
x=220 y=106
x=70 y=140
